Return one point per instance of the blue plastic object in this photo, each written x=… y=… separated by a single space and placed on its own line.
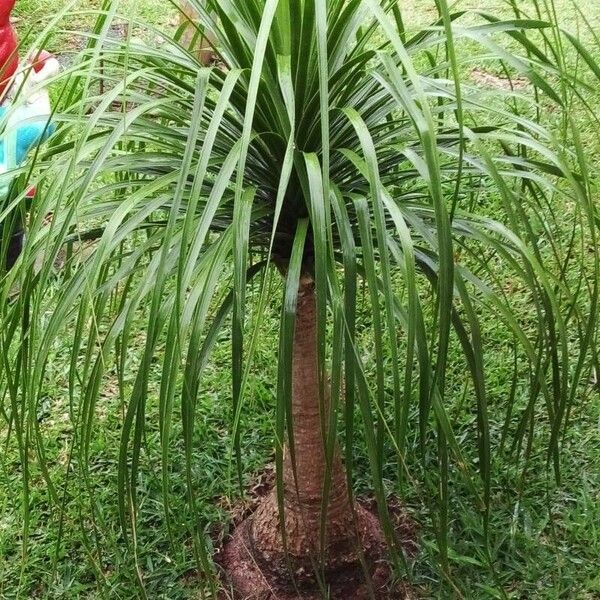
x=29 y=135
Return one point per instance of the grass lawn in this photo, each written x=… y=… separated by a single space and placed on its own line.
x=545 y=537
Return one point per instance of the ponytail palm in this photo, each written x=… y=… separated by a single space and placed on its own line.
x=398 y=202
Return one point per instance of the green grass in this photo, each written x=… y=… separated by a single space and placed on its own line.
x=550 y=551
x=31 y=15
x=537 y=557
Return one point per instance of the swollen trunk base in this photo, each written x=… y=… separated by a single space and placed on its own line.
x=250 y=575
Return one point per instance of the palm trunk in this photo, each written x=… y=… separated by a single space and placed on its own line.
x=303 y=493
x=260 y=564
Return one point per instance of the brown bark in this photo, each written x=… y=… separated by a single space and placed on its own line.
x=204 y=45
x=303 y=494
x=257 y=561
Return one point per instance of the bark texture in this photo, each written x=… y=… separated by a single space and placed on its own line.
x=303 y=494
x=257 y=552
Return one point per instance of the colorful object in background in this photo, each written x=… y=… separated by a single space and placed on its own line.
x=26 y=123
x=9 y=56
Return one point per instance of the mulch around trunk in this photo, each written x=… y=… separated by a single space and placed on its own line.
x=233 y=555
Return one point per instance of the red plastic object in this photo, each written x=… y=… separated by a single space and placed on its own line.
x=40 y=60
x=31 y=192
x=9 y=57
x=6 y=7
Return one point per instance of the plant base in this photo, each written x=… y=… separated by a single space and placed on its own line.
x=250 y=580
